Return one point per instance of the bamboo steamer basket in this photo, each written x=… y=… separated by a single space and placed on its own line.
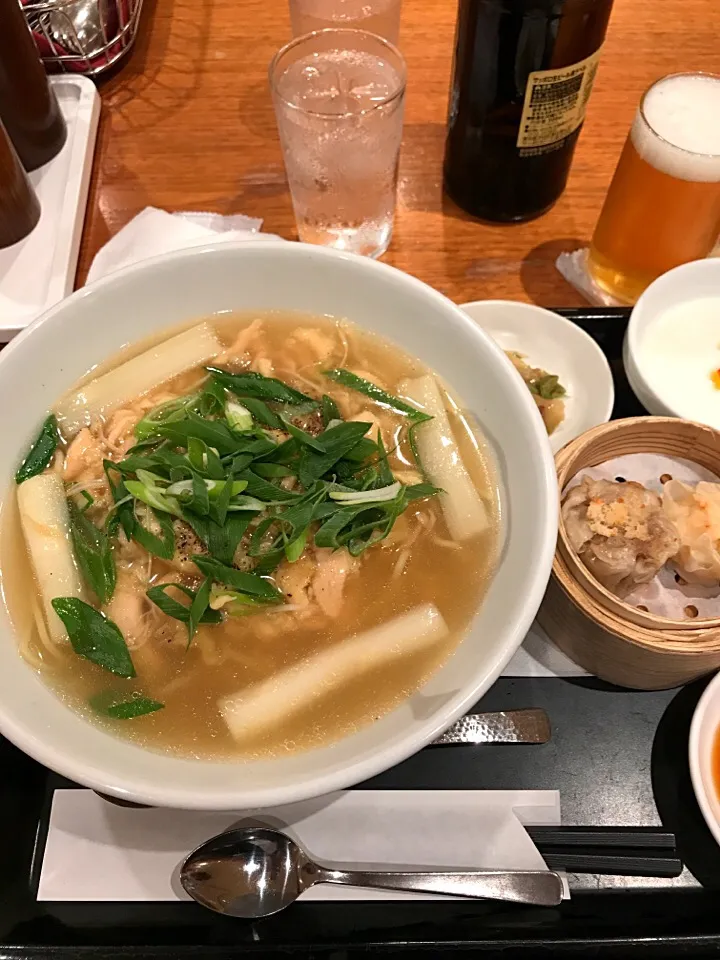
x=606 y=636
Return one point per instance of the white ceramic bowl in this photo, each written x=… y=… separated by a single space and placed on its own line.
x=95 y=322
x=559 y=346
x=691 y=281
x=703 y=731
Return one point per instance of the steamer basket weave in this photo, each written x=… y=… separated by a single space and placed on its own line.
x=609 y=638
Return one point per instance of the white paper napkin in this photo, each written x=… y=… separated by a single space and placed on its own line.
x=96 y=851
x=154 y=231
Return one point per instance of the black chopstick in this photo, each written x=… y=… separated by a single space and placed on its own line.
x=638 y=838
x=629 y=864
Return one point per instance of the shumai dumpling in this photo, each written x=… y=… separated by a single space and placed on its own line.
x=695 y=511
x=619 y=531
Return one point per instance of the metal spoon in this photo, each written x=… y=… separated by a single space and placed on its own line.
x=255 y=872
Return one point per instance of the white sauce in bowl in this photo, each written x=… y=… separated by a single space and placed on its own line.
x=680 y=351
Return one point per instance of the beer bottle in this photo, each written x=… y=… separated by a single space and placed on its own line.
x=522 y=77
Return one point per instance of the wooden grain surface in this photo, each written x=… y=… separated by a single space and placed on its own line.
x=187 y=124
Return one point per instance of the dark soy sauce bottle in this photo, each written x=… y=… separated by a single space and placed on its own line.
x=19 y=206
x=522 y=77
x=28 y=105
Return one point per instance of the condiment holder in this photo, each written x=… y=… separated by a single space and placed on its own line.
x=608 y=637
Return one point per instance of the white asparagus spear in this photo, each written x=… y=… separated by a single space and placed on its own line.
x=465 y=512
x=137 y=376
x=265 y=705
x=46 y=526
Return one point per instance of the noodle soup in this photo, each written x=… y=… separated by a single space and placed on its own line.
x=249 y=538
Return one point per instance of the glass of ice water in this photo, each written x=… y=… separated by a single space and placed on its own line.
x=338 y=98
x=376 y=16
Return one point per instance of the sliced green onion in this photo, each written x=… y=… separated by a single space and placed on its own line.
x=238 y=417
x=367 y=496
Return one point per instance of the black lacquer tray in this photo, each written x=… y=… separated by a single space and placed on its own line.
x=617 y=757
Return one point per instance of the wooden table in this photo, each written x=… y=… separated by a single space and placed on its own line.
x=188 y=124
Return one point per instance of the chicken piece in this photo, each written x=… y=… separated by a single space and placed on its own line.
x=118 y=432
x=328 y=584
x=129 y=608
x=240 y=346
x=294 y=580
x=319 y=343
x=263 y=365
x=84 y=458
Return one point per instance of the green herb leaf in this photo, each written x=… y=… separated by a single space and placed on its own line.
x=41 y=452
x=256 y=385
x=304 y=438
x=385 y=474
x=263 y=414
x=215 y=433
x=198 y=608
x=353 y=382
x=182 y=612
x=119 y=707
x=204 y=460
x=123 y=510
x=93 y=553
x=244 y=582
x=212 y=398
x=161 y=544
x=221 y=501
x=94 y=636
x=420 y=491
x=266 y=491
x=330 y=410
x=221 y=541
x=338 y=441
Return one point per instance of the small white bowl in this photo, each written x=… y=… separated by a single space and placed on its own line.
x=703 y=730
x=691 y=281
x=559 y=346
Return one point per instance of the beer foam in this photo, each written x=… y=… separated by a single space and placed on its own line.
x=678 y=129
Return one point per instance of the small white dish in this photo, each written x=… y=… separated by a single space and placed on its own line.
x=559 y=346
x=671 y=350
x=703 y=730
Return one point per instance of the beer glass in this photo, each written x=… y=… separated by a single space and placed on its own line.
x=338 y=98
x=376 y=16
x=663 y=206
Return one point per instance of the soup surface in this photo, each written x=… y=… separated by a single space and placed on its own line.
x=234 y=454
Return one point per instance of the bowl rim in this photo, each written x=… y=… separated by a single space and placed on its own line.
x=421 y=733
x=639 y=317
x=696 y=760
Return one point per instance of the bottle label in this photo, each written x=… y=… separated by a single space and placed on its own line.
x=555 y=104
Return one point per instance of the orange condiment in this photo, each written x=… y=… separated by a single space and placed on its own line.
x=715 y=377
